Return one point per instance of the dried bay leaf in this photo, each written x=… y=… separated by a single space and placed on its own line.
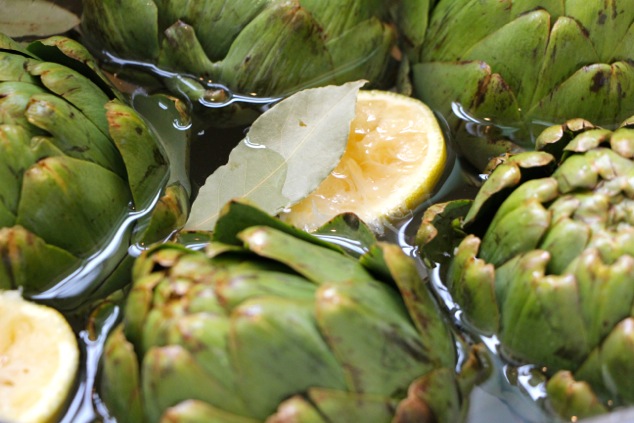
x=35 y=18
x=287 y=153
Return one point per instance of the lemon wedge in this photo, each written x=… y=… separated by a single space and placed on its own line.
x=39 y=358
x=394 y=157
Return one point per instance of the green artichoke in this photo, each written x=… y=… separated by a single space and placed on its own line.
x=502 y=71
x=75 y=164
x=271 y=323
x=261 y=47
x=544 y=260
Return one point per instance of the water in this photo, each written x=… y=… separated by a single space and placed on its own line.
x=513 y=393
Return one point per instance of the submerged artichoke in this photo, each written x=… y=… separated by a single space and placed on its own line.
x=75 y=162
x=262 y=47
x=270 y=323
x=501 y=71
x=545 y=261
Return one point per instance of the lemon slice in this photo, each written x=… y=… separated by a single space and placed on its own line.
x=394 y=157
x=39 y=358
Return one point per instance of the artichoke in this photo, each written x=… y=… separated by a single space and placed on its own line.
x=270 y=323
x=502 y=71
x=544 y=260
x=76 y=163
x=261 y=47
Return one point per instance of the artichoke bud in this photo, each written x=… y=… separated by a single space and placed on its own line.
x=267 y=48
x=546 y=249
x=524 y=66
x=317 y=333
x=76 y=162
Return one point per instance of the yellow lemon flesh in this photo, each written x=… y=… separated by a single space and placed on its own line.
x=394 y=157
x=39 y=358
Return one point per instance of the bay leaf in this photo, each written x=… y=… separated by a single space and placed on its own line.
x=37 y=18
x=289 y=150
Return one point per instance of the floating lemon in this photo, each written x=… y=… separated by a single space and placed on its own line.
x=39 y=357
x=394 y=158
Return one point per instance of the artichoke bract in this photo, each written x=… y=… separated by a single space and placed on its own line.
x=75 y=162
x=544 y=260
x=262 y=47
x=502 y=71
x=270 y=323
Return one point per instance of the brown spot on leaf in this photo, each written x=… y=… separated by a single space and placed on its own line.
x=598 y=81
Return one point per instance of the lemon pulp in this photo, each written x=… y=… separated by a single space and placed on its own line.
x=39 y=358
x=394 y=157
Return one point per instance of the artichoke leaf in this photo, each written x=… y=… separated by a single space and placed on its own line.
x=592 y=92
x=168 y=117
x=571 y=398
x=75 y=88
x=481 y=17
x=347 y=15
x=181 y=49
x=297 y=409
x=472 y=283
x=605 y=292
x=110 y=26
x=73 y=54
x=565 y=240
x=13 y=67
x=569 y=48
x=507 y=55
x=145 y=164
x=317 y=264
x=168 y=214
x=371 y=41
x=217 y=22
x=8 y=43
x=608 y=25
x=457 y=83
x=281 y=27
x=17 y=157
x=171 y=375
x=432 y=397
x=74 y=133
x=239 y=285
x=206 y=337
x=355 y=237
x=270 y=331
x=420 y=304
x=614 y=352
x=622 y=141
x=351 y=407
x=196 y=411
x=238 y=215
x=541 y=191
x=548 y=305
x=500 y=242
x=394 y=353
x=120 y=384
x=61 y=181
x=14 y=101
x=19 y=248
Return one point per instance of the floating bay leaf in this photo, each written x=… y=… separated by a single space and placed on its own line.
x=37 y=18
x=287 y=153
